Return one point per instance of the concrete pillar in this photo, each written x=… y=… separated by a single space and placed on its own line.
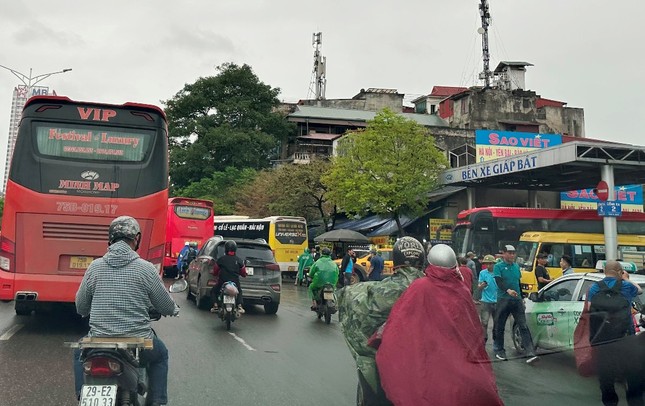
x=533 y=198
x=470 y=195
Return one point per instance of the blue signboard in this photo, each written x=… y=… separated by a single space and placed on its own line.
x=630 y=197
x=609 y=209
x=493 y=144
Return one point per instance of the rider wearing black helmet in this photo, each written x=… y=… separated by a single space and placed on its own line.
x=116 y=292
x=228 y=268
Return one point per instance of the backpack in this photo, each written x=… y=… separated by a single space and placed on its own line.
x=190 y=255
x=609 y=314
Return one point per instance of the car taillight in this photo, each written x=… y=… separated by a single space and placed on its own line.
x=273 y=267
x=276 y=287
x=102 y=366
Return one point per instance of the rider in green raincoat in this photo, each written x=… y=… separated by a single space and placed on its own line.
x=305 y=260
x=321 y=272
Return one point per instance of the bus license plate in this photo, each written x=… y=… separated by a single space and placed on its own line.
x=98 y=395
x=249 y=271
x=292 y=268
x=80 y=262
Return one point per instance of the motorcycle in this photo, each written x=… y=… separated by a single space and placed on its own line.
x=326 y=302
x=112 y=370
x=227 y=304
x=306 y=280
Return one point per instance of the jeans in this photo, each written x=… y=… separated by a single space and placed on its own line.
x=156 y=361
x=515 y=307
x=487 y=312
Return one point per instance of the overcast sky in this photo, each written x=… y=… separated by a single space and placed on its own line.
x=586 y=53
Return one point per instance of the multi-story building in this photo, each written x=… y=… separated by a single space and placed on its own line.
x=20 y=95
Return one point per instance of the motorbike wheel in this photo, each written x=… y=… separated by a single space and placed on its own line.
x=327 y=315
x=229 y=317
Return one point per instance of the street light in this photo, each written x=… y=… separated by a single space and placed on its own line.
x=30 y=81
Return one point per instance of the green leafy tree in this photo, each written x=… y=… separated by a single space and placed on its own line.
x=227 y=120
x=386 y=169
x=290 y=190
x=221 y=187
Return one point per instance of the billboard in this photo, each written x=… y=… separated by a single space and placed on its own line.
x=441 y=230
x=493 y=144
x=629 y=196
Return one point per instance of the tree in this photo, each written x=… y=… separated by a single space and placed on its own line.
x=221 y=121
x=295 y=190
x=221 y=187
x=386 y=169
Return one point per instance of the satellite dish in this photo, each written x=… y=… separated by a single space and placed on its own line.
x=480 y=30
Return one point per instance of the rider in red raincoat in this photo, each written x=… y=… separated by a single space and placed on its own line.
x=432 y=352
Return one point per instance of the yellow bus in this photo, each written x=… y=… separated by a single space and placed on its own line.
x=286 y=235
x=583 y=248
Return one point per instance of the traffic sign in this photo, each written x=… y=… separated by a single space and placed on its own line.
x=609 y=209
x=602 y=191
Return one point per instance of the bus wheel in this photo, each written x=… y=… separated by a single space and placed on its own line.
x=22 y=310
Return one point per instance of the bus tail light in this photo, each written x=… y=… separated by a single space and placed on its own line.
x=7 y=251
x=155 y=255
x=169 y=249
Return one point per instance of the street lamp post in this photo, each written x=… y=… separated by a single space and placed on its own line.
x=30 y=81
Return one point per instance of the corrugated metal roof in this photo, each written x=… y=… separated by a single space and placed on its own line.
x=314 y=112
x=502 y=64
x=320 y=136
x=445 y=91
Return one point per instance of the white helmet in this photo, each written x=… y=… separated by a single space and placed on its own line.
x=443 y=256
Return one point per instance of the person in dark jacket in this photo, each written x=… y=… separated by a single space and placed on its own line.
x=228 y=268
x=347 y=267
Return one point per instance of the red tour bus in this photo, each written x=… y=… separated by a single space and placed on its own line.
x=484 y=230
x=189 y=220
x=76 y=166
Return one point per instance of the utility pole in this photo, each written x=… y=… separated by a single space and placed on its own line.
x=21 y=94
x=484 y=12
x=320 y=63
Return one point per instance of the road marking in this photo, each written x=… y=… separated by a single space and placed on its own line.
x=241 y=340
x=13 y=330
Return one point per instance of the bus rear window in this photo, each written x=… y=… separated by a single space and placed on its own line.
x=95 y=143
x=192 y=212
x=290 y=232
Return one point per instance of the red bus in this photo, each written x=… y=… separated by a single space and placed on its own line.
x=188 y=220
x=76 y=166
x=484 y=230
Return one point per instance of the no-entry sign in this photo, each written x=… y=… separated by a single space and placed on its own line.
x=602 y=191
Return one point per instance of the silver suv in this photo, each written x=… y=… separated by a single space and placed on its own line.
x=262 y=285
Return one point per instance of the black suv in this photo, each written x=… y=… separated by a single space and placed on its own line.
x=262 y=285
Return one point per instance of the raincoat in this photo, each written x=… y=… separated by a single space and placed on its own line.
x=432 y=352
x=321 y=272
x=305 y=260
x=363 y=308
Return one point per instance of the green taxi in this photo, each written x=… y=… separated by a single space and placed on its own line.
x=552 y=314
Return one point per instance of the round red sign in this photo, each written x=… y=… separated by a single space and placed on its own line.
x=602 y=190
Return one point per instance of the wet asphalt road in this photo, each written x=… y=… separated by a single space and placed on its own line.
x=286 y=359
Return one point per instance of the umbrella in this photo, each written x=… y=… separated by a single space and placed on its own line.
x=342 y=235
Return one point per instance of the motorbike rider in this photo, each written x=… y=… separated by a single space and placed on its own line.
x=186 y=255
x=305 y=260
x=364 y=307
x=228 y=268
x=436 y=322
x=322 y=272
x=116 y=293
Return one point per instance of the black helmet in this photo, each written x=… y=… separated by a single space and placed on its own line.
x=230 y=246
x=326 y=251
x=124 y=227
x=408 y=251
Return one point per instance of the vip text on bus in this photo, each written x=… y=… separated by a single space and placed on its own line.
x=76 y=166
